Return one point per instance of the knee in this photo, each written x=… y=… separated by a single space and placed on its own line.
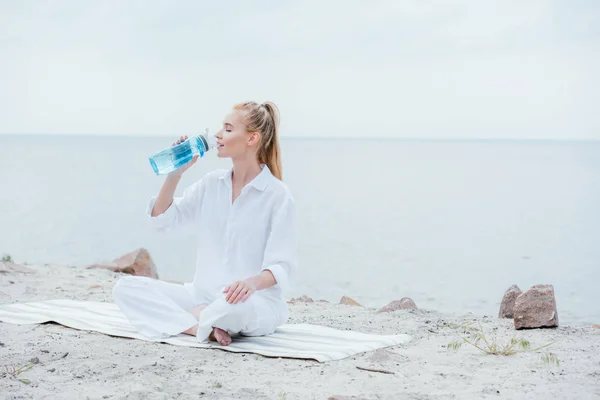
x=118 y=289
x=233 y=309
x=124 y=286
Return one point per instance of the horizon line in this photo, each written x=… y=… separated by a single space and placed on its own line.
x=312 y=137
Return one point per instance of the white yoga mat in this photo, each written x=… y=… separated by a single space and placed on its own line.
x=302 y=341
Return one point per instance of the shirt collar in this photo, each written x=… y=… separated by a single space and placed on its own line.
x=260 y=182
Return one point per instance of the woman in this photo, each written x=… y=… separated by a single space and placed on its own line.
x=243 y=219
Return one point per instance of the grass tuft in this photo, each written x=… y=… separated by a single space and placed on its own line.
x=11 y=370
x=479 y=340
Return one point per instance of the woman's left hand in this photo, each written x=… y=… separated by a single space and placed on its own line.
x=239 y=290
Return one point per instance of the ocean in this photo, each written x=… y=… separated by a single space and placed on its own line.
x=451 y=224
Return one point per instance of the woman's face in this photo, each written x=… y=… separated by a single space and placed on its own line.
x=233 y=139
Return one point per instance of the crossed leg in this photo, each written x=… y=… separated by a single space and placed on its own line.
x=217 y=334
x=160 y=309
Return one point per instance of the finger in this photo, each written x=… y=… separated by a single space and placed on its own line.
x=231 y=290
x=244 y=296
x=248 y=293
x=236 y=293
x=226 y=289
x=240 y=295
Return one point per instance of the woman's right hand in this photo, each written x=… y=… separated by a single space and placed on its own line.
x=179 y=171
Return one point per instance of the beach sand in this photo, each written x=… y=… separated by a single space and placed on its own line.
x=87 y=365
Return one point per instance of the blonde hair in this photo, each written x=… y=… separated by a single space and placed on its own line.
x=264 y=118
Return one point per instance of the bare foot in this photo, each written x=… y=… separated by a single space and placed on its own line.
x=196 y=313
x=221 y=336
x=192 y=331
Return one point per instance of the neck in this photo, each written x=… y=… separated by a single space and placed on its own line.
x=244 y=171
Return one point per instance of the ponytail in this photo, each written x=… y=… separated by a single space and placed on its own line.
x=272 y=151
x=264 y=118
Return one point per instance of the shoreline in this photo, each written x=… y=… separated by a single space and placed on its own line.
x=99 y=366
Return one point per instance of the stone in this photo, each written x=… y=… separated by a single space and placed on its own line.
x=349 y=302
x=138 y=263
x=536 y=308
x=508 y=302
x=301 y=299
x=405 y=303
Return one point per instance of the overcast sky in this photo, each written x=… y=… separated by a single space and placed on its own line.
x=414 y=69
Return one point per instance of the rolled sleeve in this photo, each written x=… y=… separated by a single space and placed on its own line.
x=281 y=276
x=280 y=253
x=181 y=214
x=163 y=221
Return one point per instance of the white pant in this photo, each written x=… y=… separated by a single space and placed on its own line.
x=159 y=309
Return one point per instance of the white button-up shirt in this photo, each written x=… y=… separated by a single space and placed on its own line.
x=236 y=241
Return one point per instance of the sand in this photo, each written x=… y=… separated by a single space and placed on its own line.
x=87 y=365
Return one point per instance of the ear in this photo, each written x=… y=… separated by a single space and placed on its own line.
x=254 y=138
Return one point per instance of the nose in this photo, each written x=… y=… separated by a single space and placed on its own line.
x=219 y=134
